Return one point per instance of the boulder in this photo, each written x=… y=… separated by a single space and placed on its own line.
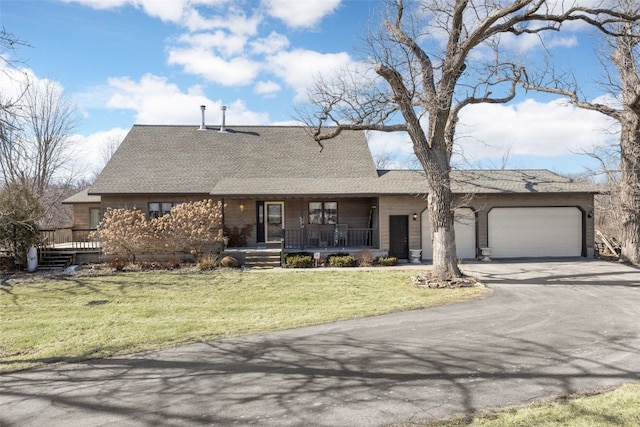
x=229 y=262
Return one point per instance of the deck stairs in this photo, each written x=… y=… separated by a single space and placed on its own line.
x=269 y=256
x=55 y=259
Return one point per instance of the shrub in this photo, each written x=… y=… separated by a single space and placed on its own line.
x=117 y=263
x=191 y=227
x=299 y=261
x=236 y=237
x=342 y=261
x=7 y=263
x=20 y=212
x=388 y=261
x=125 y=233
x=170 y=263
x=209 y=262
x=365 y=258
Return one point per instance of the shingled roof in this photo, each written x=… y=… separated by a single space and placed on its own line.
x=186 y=160
x=485 y=182
x=81 y=197
x=284 y=161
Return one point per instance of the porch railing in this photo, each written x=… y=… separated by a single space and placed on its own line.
x=321 y=238
x=77 y=239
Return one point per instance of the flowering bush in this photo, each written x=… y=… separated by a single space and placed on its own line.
x=192 y=227
x=125 y=233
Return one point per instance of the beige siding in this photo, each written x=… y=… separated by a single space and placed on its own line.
x=353 y=212
x=482 y=204
x=401 y=205
x=81 y=214
x=142 y=201
x=241 y=213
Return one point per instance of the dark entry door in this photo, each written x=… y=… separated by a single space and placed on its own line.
x=260 y=222
x=399 y=236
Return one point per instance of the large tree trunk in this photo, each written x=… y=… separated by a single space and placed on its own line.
x=445 y=262
x=630 y=187
x=436 y=163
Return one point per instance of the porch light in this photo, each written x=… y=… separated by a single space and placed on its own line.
x=415 y=216
x=241 y=206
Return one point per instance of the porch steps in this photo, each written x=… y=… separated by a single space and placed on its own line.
x=54 y=260
x=262 y=258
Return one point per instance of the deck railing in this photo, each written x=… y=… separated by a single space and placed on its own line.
x=77 y=239
x=320 y=238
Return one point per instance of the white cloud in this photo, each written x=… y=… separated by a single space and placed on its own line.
x=184 y=12
x=298 y=13
x=14 y=80
x=487 y=134
x=298 y=68
x=156 y=101
x=529 y=128
x=235 y=71
x=269 y=45
x=227 y=44
x=92 y=150
x=396 y=146
x=266 y=88
x=171 y=11
x=231 y=19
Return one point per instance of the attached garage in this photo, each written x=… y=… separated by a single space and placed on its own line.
x=535 y=232
x=465 y=228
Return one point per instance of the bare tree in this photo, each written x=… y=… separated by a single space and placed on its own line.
x=36 y=147
x=623 y=52
x=431 y=59
x=108 y=150
x=384 y=160
x=9 y=105
x=49 y=128
x=37 y=122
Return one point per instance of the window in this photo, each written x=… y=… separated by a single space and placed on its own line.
x=157 y=209
x=323 y=212
x=94 y=217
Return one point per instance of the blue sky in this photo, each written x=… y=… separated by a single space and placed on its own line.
x=156 y=61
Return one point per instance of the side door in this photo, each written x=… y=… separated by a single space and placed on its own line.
x=399 y=236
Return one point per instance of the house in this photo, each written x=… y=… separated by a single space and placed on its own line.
x=275 y=181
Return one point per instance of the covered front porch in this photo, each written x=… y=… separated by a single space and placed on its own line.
x=326 y=237
x=311 y=223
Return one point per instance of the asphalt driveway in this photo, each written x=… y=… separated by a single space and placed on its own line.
x=549 y=329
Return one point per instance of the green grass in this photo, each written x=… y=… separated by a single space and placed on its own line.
x=618 y=408
x=96 y=316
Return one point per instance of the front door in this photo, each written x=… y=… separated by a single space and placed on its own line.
x=399 y=236
x=260 y=230
x=274 y=231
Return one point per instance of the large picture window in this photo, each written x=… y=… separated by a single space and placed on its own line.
x=157 y=209
x=323 y=212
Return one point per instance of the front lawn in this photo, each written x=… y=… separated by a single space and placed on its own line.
x=617 y=408
x=83 y=316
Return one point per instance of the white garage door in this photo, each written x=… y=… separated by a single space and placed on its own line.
x=465 y=228
x=535 y=232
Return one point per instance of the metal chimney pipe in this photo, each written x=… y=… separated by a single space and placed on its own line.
x=203 y=126
x=224 y=110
